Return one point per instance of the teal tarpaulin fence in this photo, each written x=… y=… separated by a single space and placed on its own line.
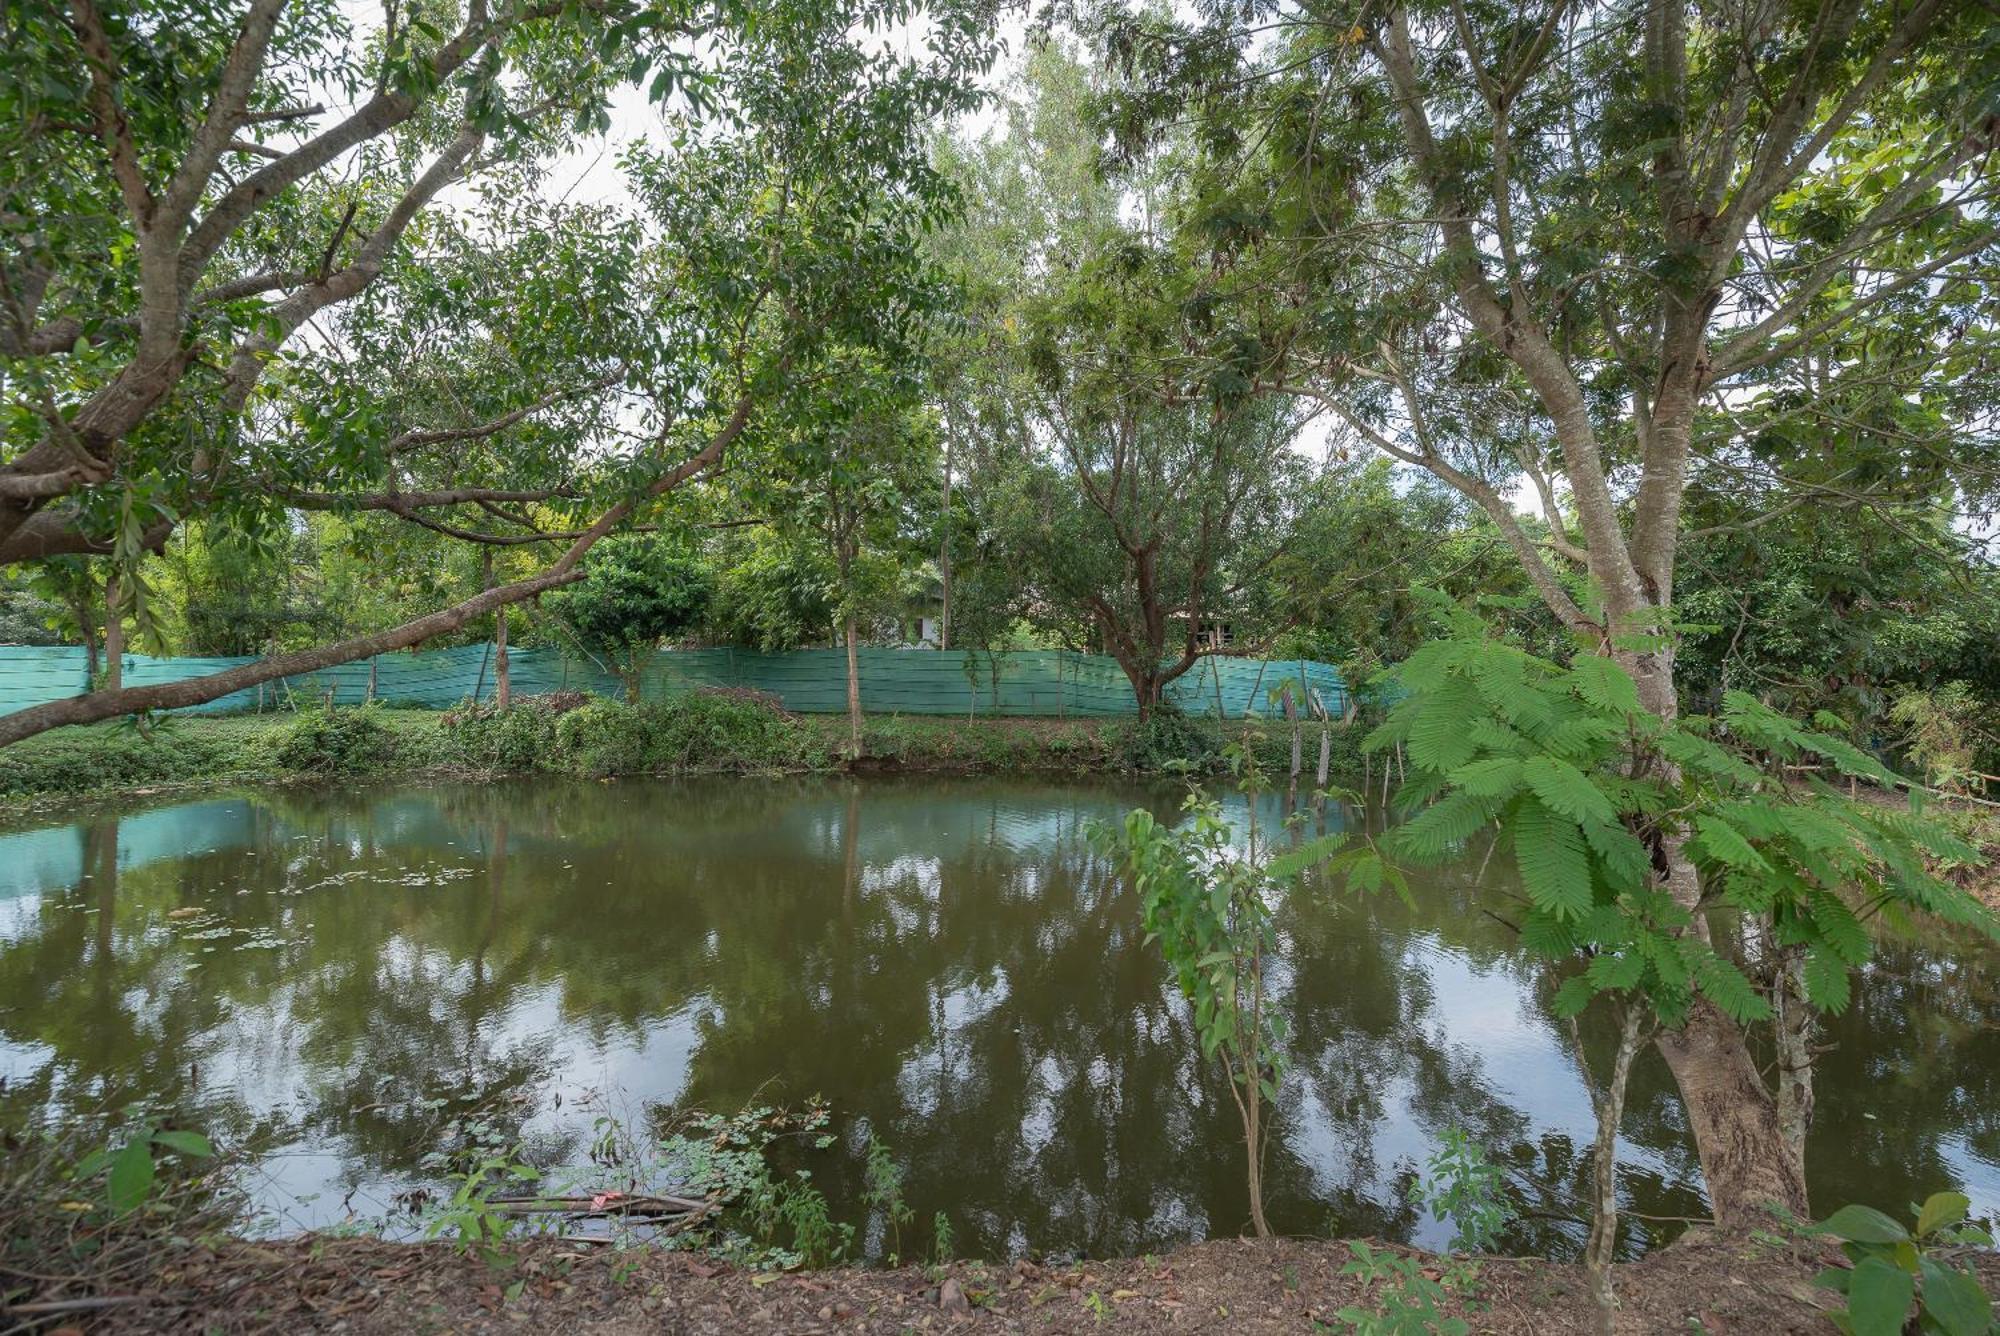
x=893 y=681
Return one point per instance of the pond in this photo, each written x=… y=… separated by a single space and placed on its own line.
x=945 y=961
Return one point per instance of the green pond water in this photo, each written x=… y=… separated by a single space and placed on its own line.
x=944 y=960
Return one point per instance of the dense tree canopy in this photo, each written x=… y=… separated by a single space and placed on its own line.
x=1657 y=338
x=231 y=304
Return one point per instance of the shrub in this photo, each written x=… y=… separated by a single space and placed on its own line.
x=603 y=738
x=523 y=737
x=1169 y=740
x=330 y=741
x=704 y=730
x=707 y=730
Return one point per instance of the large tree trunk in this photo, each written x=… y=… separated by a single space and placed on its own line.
x=1745 y=1158
x=1795 y=1024
x=1734 y=1118
x=853 y=689
x=1145 y=686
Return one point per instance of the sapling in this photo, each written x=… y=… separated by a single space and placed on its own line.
x=1207 y=902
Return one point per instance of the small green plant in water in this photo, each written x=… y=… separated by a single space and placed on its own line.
x=883 y=1192
x=1903 y=1273
x=1465 y=1187
x=1207 y=903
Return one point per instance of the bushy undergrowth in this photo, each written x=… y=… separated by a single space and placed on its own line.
x=574 y=734
x=330 y=741
x=700 y=731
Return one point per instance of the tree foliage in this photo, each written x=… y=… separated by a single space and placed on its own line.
x=635 y=593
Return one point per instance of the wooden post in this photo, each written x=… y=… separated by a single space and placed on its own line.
x=479 y=684
x=373 y=661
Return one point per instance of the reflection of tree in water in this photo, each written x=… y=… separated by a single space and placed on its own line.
x=950 y=963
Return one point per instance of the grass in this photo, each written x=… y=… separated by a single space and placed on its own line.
x=574 y=735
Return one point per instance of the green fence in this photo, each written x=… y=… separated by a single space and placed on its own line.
x=893 y=681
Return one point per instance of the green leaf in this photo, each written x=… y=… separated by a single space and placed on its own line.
x=1863 y=1224
x=1573 y=996
x=1827 y=985
x=1604 y=684
x=131 y=1175
x=1494 y=777
x=1313 y=852
x=1725 y=985
x=1440 y=828
x=1554 y=869
x=1954 y=1299
x=1942 y=1210
x=1438 y=738
x=1727 y=846
x=1838 y=927
x=187 y=1143
x=1564 y=788
x=1624 y=858
x=1878 y=1298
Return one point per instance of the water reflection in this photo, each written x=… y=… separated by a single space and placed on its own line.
x=948 y=963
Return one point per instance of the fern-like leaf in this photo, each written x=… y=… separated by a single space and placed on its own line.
x=1549 y=850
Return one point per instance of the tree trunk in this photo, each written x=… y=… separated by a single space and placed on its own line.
x=1601 y=1249
x=1253 y=1119
x=853 y=690
x=503 y=685
x=114 y=636
x=1745 y=1158
x=86 y=621
x=1795 y=1026
x=1737 y=1132
x=944 y=555
x=1325 y=753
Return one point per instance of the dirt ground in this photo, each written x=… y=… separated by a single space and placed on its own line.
x=368 y=1286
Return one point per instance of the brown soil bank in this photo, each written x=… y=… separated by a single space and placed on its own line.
x=367 y=1286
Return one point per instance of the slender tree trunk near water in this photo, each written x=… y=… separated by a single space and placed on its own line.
x=503 y=686
x=86 y=621
x=853 y=690
x=944 y=553
x=1795 y=1026
x=1600 y=1251
x=114 y=636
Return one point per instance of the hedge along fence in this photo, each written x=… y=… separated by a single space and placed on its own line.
x=1044 y=683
